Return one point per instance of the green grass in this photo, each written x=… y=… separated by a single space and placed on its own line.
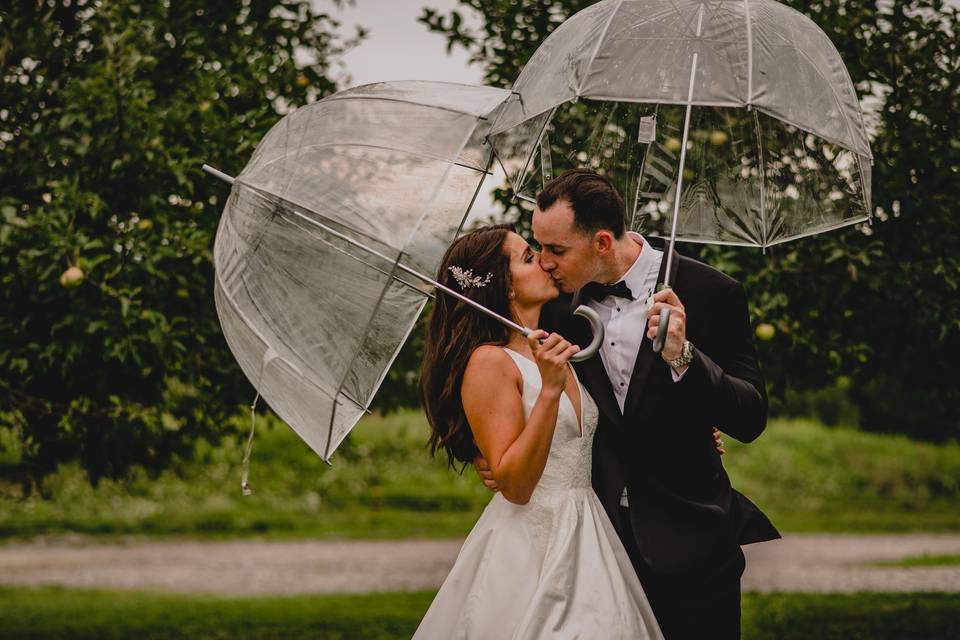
x=58 y=613
x=107 y=615
x=385 y=485
x=808 y=477
x=921 y=561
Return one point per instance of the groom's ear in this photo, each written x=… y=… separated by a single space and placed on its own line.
x=602 y=241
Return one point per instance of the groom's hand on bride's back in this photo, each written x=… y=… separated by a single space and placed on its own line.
x=482 y=467
x=718 y=441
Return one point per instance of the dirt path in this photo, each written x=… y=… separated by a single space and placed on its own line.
x=810 y=562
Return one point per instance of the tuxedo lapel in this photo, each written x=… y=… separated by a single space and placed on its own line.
x=645 y=355
x=595 y=378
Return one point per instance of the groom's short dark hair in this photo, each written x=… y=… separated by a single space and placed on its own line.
x=595 y=202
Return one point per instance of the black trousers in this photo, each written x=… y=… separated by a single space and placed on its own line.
x=704 y=604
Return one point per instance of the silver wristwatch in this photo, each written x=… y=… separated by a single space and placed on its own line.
x=685 y=357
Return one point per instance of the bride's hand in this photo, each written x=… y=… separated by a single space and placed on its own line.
x=552 y=357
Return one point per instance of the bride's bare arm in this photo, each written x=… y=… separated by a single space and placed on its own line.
x=491 y=396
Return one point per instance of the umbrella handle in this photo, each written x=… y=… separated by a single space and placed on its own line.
x=661 y=338
x=596 y=326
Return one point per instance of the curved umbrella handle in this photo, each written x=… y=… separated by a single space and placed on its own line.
x=596 y=326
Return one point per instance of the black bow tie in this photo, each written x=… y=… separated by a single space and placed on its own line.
x=597 y=291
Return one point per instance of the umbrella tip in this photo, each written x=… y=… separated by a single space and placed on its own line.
x=216 y=173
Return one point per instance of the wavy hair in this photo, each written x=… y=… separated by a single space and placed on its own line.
x=455 y=329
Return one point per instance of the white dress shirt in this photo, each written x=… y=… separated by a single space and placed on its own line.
x=625 y=322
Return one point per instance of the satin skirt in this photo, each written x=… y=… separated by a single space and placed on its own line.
x=553 y=568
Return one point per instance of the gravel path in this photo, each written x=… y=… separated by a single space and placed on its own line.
x=800 y=562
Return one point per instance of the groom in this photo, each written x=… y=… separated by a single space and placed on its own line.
x=656 y=468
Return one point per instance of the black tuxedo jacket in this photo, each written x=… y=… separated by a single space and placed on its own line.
x=683 y=511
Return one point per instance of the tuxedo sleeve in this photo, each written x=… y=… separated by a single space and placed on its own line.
x=727 y=382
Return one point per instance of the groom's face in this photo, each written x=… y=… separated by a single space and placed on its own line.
x=567 y=253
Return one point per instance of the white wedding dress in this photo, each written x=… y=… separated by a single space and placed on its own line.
x=552 y=568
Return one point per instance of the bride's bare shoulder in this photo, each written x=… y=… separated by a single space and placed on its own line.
x=490 y=360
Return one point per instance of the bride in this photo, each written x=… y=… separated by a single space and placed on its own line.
x=543 y=560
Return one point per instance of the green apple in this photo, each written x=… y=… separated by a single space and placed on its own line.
x=765 y=331
x=72 y=277
x=672 y=144
x=718 y=137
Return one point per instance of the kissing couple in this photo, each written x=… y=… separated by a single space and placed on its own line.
x=612 y=516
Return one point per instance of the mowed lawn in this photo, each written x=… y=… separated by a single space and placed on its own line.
x=101 y=615
x=384 y=484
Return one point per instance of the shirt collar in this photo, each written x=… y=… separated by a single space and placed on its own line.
x=649 y=258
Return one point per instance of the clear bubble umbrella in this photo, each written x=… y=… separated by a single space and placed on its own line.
x=325 y=245
x=725 y=122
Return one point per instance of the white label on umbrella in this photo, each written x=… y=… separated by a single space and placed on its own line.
x=648 y=130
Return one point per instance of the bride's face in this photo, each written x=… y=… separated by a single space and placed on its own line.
x=529 y=284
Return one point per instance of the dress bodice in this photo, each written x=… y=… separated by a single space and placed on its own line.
x=570 y=457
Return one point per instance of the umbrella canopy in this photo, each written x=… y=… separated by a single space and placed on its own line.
x=341 y=201
x=775 y=144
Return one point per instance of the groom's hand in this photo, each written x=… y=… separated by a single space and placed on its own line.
x=677 y=331
x=483 y=470
x=718 y=441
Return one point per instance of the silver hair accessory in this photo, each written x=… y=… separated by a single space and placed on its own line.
x=466 y=279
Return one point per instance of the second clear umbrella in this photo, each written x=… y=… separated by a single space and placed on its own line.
x=720 y=122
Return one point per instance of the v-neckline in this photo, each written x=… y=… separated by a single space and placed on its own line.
x=566 y=395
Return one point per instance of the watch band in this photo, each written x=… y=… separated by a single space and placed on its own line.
x=685 y=357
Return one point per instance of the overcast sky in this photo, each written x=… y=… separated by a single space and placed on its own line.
x=400 y=48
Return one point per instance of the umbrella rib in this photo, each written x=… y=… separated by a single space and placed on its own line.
x=824 y=229
x=763 y=180
x=679 y=101
x=533 y=149
x=726 y=243
x=749 y=20
x=476 y=192
x=356 y=353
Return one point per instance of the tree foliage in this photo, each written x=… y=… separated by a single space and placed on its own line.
x=110 y=349
x=878 y=306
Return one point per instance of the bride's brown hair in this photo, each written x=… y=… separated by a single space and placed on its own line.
x=455 y=329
